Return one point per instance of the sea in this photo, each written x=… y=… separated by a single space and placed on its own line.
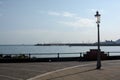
x=31 y=49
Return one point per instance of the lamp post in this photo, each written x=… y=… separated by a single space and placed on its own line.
x=97 y=15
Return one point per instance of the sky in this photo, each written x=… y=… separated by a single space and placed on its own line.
x=58 y=21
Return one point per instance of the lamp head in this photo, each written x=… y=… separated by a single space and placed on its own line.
x=97 y=15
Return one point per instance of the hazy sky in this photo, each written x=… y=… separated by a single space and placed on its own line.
x=55 y=21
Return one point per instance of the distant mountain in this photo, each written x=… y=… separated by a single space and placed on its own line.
x=117 y=41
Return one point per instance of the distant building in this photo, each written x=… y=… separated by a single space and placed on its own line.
x=108 y=42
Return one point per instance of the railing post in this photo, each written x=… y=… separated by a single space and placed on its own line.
x=80 y=57
x=58 y=56
x=108 y=54
x=29 y=56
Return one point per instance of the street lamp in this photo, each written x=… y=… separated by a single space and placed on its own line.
x=97 y=15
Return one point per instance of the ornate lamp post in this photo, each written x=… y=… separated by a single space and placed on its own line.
x=97 y=15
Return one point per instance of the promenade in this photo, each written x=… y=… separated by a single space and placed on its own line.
x=60 y=71
x=109 y=71
x=24 y=71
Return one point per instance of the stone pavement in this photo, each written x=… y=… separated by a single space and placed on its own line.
x=110 y=71
x=24 y=71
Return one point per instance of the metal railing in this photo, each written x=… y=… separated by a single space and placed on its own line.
x=51 y=55
x=42 y=55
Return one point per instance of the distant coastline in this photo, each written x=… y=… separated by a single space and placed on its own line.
x=69 y=44
x=76 y=44
x=105 y=43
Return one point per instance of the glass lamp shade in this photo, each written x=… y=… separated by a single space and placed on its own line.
x=97 y=17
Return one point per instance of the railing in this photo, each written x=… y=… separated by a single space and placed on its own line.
x=50 y=57
x=113 y=53
x=42 y=55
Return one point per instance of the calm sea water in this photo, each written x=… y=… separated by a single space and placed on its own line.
x=55 y=49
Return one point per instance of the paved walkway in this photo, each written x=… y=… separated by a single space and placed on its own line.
x=110 y=71
x=23 y=71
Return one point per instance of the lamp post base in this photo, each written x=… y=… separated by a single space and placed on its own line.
x=98 y=63
x=98 y=67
